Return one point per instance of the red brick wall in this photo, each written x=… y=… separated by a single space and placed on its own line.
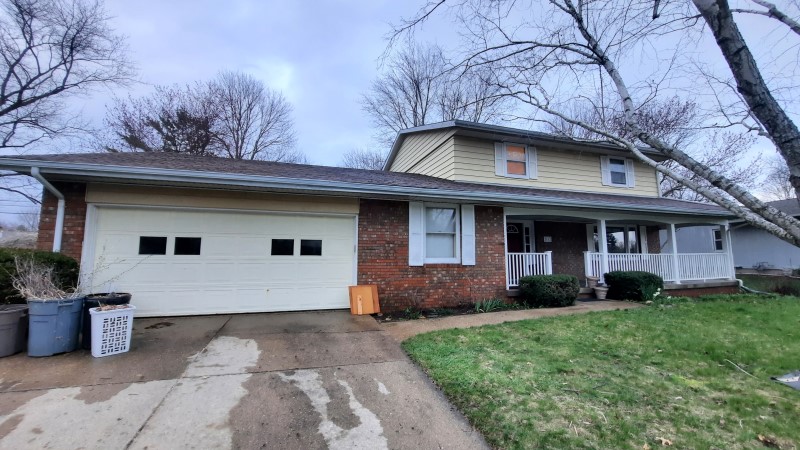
x=74 y=219
x=568 y=244
x=383 y=260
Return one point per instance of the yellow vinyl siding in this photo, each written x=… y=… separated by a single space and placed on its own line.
x=563 y=170
x=100 y=193
x=428 y=153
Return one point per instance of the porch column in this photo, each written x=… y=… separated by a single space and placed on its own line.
x=674 y=247
x=602 y=242
x=728 y=248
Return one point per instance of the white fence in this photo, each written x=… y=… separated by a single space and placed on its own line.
x=690 y=266
x=523 y=264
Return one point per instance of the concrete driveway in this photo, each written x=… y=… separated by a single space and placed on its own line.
x=290 y=380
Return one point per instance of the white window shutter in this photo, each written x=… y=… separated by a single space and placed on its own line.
x=468 y=235
x=630 y=177
x=605 y=171
x=499 y=159
x=416 y=234
x=533 y=162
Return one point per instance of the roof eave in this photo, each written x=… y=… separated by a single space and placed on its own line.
x=191 y=177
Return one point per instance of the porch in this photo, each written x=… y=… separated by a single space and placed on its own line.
x=548 y=242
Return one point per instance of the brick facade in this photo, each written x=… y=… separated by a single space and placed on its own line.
x=568 y=242
x=383 y=260
x=74 y=219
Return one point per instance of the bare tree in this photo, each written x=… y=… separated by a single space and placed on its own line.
x=29 y=220
x=776 y=185
x=548 y=51
x=254 y=122
x=233 y=116
x=418 y=87
x=364 y=159
x=50 y=50
x=172 y=119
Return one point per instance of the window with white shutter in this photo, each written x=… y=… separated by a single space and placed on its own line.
x=515 y=160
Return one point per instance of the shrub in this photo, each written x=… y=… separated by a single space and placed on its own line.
x=65 y=271
x=633 y=285
x=549 y=290
x=490 y=305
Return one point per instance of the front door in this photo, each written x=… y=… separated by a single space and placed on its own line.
x=515 y=237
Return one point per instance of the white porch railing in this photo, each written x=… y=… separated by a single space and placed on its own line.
x=524 y=264
x=690 y=266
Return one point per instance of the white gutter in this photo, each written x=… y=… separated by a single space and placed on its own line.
x=59 y=230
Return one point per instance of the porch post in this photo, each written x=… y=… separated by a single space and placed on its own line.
x=674 y=247
x=728 y=247
x=602 y=241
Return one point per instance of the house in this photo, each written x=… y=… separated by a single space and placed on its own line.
x=460 y=212
x=754 y=250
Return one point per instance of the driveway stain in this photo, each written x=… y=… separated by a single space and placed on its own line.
x=367 y=435
x=158 y=325
x=196 y=412
x=99 y=393
x=57 y=419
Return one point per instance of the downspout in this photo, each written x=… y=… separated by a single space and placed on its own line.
x=59 y=229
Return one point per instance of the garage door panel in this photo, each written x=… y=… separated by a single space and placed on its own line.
x=235 y=271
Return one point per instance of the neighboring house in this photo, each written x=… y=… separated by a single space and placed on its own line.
x=756 y=249
x=461 y=211
x=753 y=249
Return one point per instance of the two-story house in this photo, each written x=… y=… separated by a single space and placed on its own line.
x=460 y=212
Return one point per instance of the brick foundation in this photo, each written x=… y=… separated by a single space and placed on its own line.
x=74 y=219
x=383 y=260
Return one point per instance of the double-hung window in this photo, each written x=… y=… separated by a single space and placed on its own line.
x=617 y=171
x=441 y=234
x=515 y=160
x=717 y=239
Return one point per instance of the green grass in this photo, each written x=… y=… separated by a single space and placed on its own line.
x=622 y=379
x=772 y=283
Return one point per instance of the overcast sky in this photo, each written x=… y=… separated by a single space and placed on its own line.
x=322 y=55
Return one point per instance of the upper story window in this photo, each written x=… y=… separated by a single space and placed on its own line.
x=617 y=171
x=515 y=160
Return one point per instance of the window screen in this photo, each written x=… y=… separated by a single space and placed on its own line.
x=310 y=247
x=618 y=173
x=187 y=245
x=282 y=247
x=152 y=245
x=440 y=232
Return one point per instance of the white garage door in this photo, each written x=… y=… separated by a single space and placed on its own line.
x=182 y=262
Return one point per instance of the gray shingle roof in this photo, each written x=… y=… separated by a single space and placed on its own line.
x=790 y=206
x=209 y=166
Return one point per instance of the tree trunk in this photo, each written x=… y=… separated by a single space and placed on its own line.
x=750 y=84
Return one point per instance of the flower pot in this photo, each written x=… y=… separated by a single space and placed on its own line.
x=591 y=282
x=13 y=329
x=111 y=330
x=600 y=292
x=54 y=326
x=93 y=301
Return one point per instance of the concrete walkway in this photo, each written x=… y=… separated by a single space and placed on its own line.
x=290 y=381
x=405 y=329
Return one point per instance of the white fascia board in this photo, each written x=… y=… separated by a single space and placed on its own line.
x=304 y=184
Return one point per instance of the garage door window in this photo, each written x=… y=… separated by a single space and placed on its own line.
x=310 y=247
x=282 y=247
x=187 y=245
x=152 y=245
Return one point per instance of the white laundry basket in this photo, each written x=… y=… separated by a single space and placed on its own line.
x=111 y=330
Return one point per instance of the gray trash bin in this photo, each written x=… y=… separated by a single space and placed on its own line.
x=54 y=326
x=13 y=329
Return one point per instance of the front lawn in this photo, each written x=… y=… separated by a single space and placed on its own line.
x=627 y=379
x=772 y=283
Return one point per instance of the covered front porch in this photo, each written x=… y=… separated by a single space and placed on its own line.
x=541 y=242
